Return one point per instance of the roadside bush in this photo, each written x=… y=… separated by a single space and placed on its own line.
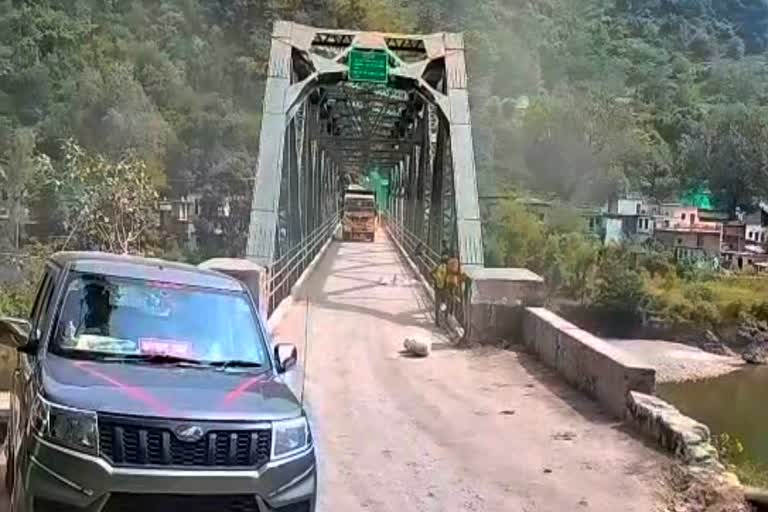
x=697 y=292
x=620 y=288
x=657 y=263
x=16 y=298
x=732 y=453
x=733 y=312
x=759 y=310
x=728 y=448
x=577 y=258
x=695 y=272
x=704 y=313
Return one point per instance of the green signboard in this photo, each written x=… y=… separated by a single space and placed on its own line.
x=368 y=66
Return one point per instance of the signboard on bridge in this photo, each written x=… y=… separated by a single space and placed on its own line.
x=368 y=66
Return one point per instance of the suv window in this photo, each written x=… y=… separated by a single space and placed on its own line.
x=103 y=316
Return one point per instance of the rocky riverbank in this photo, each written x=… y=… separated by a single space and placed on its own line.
x=755 y=334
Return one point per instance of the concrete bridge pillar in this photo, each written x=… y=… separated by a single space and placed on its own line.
x=497 y=299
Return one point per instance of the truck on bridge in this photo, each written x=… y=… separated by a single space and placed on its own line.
x=359 y=220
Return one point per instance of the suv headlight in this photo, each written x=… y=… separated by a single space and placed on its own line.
x=290 y=437
x=65 y=426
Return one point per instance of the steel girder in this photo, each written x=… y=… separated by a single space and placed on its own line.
x=318 y=129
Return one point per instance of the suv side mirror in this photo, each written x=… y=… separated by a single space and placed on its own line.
x=15 y=332
x=286 y=356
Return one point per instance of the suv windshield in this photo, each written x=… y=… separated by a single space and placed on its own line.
x=106 y=317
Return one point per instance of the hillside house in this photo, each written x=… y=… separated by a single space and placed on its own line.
x=680 y=228
x=628 y=219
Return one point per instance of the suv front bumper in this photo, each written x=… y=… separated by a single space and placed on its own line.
x=76 y=481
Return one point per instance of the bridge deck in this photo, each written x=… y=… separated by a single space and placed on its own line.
x=480 y=430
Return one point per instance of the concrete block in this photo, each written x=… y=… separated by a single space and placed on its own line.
x=590 y=364
x=497 y=297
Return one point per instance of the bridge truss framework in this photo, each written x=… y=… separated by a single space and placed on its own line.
x=321 y=131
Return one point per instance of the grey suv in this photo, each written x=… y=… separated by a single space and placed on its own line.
x=142 y=386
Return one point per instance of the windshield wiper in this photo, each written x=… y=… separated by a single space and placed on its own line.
x=234 y=363
x=160 y=359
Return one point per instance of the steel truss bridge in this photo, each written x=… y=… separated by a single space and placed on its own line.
x=321 y=131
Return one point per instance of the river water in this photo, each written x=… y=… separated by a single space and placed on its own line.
x=736 y=403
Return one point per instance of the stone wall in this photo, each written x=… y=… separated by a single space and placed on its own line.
x=685 y=437
x=587 y=362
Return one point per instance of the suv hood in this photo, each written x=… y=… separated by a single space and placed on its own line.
x=167 y=391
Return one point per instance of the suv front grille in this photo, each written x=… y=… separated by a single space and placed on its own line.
x=131 y=442
x=120 y=502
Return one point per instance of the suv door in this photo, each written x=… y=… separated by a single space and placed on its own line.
x=22 y=393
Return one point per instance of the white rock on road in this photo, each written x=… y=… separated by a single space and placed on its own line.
x=417 y=347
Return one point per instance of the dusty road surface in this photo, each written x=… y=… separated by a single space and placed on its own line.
x=477 y=430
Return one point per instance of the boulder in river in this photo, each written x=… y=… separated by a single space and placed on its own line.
x=752 y=331
x=756 y=353
x=714 y=345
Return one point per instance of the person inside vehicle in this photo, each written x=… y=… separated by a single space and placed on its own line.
x=97 y=309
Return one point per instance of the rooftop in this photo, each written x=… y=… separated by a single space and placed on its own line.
x=151 y=269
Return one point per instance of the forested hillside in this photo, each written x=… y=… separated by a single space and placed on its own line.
x=646 y=95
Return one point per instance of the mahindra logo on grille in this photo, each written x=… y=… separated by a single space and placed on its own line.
x=189 y=433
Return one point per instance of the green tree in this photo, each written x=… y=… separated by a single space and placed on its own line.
x=17 y=178
x=730 y=151
x=620 y=286
x=110 y=206
x=520 y=236
x=578 y=258
x=222 y=227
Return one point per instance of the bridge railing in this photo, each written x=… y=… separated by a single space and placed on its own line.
x=426 y=260
x=285 y=272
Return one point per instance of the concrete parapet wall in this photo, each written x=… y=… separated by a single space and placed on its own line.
x=497 y=297
x=686 y=438
x=587 y=362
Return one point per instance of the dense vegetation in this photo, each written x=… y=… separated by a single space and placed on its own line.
x=624 y=95
x=633 y=281
x=621 y=95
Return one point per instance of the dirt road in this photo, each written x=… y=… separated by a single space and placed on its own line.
x=481 y=430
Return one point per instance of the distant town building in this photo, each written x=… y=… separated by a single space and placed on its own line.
x=628 y=220
x=177 y=216
x=691 y=228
